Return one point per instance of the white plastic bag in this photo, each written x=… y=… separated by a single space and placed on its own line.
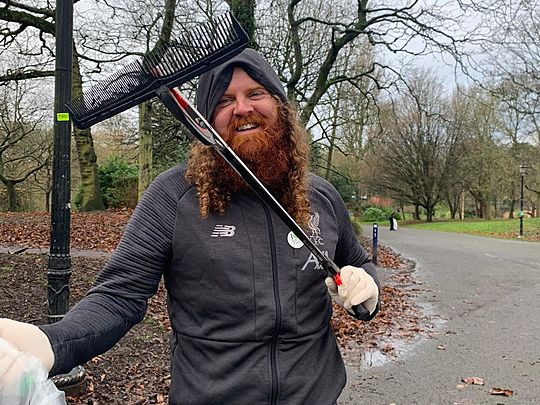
x=23 y=380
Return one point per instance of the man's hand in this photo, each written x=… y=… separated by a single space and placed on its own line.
x=28 y=338
x=357 y=287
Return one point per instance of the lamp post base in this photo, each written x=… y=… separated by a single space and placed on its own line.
x=72 y=383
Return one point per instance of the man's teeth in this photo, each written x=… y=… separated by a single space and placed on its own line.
x=246 y=127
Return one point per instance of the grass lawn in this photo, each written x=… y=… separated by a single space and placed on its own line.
x=498 y=228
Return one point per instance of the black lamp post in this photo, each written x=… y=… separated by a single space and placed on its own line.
x=59 y=256
x=59 y=260
x=522 y=172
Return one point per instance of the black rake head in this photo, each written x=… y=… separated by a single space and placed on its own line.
x=171 y=64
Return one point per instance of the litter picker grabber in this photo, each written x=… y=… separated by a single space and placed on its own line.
x=173 y=64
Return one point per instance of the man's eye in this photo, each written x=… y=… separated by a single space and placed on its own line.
x=257 y=94
x=225 y=101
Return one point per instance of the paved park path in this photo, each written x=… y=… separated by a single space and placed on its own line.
x=482 y=296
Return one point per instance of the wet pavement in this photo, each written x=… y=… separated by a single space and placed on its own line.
x=481 y=304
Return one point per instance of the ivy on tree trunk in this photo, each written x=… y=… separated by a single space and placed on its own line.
x=244 y=12
x=145 y=147
x=91 y=195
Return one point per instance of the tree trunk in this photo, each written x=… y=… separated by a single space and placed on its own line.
x=483 y=208
x=487 y=210
x=47 y=201
x=86 y=155
x=453 y=204
x=478 y=208
x=145 y=123
x=145 y=147
x=244 y=12
x=332 y=141
x=512 y=208
x=12 y=196
x=417 y=212
x=430 y=209
x=329 y=158
x=462 y=211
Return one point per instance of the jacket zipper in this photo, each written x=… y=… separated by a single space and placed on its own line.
x=273 y=345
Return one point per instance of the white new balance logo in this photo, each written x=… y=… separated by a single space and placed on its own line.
x=223 y=230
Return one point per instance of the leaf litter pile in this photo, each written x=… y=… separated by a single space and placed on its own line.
x=136 y=370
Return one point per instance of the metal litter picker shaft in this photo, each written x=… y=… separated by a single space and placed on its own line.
x=182 y=109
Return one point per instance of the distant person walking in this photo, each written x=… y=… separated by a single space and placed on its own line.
x=393 y=221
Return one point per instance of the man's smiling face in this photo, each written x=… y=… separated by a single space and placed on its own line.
x=244 y=114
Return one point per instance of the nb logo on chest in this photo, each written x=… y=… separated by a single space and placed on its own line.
x=223 y=231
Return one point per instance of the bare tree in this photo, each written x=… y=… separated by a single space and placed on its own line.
x=511 y=52
x=458 y=123
x=416 y=152
x=25 y=148
x=131 y=29
x=306 y=39
x=484 y=155
x=24 y=23
x=145 y=122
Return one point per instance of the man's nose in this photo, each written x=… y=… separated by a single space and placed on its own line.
x=243 y=106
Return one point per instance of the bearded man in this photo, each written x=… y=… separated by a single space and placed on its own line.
x=249 y=305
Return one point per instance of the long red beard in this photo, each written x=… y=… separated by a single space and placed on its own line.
x=266 y=152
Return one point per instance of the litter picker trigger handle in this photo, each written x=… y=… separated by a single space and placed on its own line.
x=360 y=312
x=333 y=270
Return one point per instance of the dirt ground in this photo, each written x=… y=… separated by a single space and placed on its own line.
x=136 y=370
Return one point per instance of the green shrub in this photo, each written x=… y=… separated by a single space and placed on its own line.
x=374 y=214
x=118 y=182
x=377 y=214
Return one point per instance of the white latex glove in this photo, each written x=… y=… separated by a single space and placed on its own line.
x=357 y=287
x=28 y=338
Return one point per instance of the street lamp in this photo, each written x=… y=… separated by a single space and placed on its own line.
x=522 y=172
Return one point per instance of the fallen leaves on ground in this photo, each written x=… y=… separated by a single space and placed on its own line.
x=473 y=380
x=136 y=370
x=89 y=230
x=501 y=391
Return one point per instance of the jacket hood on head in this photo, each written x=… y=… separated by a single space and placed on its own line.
x=212 y=85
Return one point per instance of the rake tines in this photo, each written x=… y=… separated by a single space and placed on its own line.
x=193 y=53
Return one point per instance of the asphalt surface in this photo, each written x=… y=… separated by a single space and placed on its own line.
x=481 y=297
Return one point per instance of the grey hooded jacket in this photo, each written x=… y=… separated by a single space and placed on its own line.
x=248 y=306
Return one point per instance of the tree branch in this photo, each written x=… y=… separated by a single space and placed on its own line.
x=27 y=19
x=22 y=75
x=47 y=12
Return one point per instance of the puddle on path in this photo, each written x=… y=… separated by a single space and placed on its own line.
x=391 y=349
